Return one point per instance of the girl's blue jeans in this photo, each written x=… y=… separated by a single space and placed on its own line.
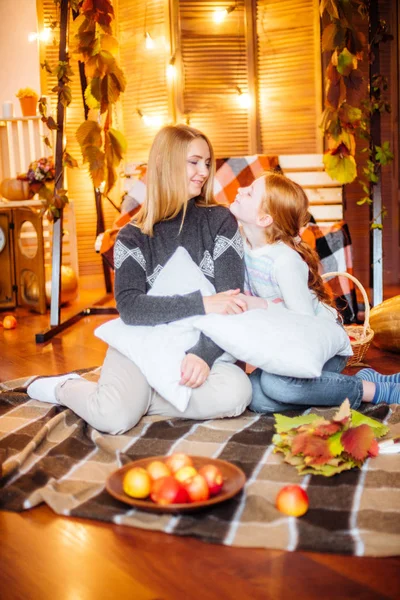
x=275 y=393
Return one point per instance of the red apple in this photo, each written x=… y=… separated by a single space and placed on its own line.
x=167 y=490
x=177 y=461
x=157 y=469
x=197 y=488
x=214 y=478
x=292 y=500
x=9 y=322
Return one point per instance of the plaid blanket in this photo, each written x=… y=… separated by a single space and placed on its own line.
x=50 y=455
x=333 y=246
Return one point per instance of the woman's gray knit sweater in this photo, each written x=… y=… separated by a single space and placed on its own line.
x=212 y=238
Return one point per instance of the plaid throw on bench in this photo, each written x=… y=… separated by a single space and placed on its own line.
x=50 y=455
x=333 y=246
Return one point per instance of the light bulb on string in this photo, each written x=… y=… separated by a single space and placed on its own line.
x=171 y=69
x=150 y=121
x=43 y=36
x=221 y=13
x=149 y=42
x=243 y=98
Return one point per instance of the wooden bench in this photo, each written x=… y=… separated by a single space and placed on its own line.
x=325 y=195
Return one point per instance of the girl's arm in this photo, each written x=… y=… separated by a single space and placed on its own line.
x=292 y=277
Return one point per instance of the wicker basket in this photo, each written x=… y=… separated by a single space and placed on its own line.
x=362 y=334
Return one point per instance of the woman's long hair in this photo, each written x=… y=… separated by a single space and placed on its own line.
x=166 y=185
x=287 y=204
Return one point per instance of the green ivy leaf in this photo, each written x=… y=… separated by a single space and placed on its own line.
x=383 y=154
x=347 y=62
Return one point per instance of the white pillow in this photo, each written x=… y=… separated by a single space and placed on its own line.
x=159 y=351
x=278 y=340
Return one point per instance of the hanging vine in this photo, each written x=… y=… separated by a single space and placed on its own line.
x=102 y=146
x=347 y=116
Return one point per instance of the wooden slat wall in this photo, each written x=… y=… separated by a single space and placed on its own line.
x=145 y=71
x=78 y=182
x=214 y=59
x=289 y=76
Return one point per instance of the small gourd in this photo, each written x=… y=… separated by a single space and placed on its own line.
x=15 y=189
x=385 y=321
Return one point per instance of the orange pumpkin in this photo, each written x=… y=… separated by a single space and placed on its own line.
x=384 y=319
x=15 y=189
x=69 y=285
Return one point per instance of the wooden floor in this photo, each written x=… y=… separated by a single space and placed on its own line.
x=44 y=556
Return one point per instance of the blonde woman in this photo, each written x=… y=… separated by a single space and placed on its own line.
x=179 y=211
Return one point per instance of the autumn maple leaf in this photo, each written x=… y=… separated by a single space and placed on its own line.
x=358 y=441
x=326 y=429
x=374 y=449
x=311 y=445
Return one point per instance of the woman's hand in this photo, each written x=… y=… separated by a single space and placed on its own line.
x=231 y=302
x=254 y=302
x=194 y=371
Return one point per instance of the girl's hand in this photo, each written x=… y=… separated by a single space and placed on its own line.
x=254 y=302
x=194 y=371
x=231 y=302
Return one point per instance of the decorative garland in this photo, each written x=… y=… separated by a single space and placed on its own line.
x=102 y=145
x=347 y=115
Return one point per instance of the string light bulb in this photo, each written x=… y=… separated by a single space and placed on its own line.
x=150 y=121
x=43 y=36
x=221 y=13
x=171 y=69
x=243 y=98
x=149 y=41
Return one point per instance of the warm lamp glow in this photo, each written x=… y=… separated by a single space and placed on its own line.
x=171 y=71
x=154 y=121
x=150 y=121
x=149 y=41
x=43 y=36
x=221 y=13
x=243 y=98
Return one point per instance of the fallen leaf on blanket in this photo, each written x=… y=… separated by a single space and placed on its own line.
x=357 y=441
x=319 y=446
x=344 y=413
